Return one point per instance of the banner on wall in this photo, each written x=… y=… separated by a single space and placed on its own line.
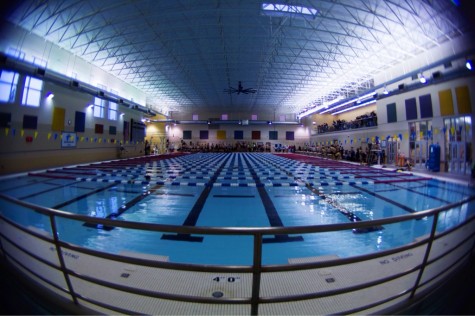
x=68 y=140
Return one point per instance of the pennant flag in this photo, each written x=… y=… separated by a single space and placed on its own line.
x=13 y=131
x=22 y=132
x=36 y=134
x=7 y=130
x=49 y=136
x=55 y=136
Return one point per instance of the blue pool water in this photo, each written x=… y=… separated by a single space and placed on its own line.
x=234 y=190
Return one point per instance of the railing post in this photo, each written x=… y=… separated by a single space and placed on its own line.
x=256 y=273
x=61 y=259
x=426 y=255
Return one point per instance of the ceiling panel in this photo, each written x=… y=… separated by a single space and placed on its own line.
x=185 y=54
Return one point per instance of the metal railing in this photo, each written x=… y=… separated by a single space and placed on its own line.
x=257 y=269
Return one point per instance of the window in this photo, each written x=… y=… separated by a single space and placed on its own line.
x=113 y=114
x=15 y=53
x=32 y=92
x=284 y=9
x=112 y=111
x=8 y=83
x=39 y=61
x=99 y=107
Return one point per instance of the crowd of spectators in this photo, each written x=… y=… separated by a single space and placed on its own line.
x=365 y=120
x=368 y=155
x=225 y=147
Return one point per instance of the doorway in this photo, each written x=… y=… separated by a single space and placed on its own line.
x=420 y=137
x=458 y=144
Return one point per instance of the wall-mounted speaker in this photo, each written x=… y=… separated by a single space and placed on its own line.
x=3 y=59
x=436 y=75
x=401 y=86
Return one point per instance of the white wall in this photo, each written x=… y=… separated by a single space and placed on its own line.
x=175 y=133
x=45 y=150
x=385 y=129
x=61 y=61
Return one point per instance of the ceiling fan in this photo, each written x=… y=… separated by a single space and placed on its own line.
x=240 y=90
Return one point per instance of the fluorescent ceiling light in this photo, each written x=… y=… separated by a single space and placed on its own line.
x=324 y=105
x=359 y=99
x=355 y=107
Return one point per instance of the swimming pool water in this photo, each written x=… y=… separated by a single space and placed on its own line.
x=234 y=190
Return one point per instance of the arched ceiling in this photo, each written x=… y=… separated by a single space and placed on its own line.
x=184 y=54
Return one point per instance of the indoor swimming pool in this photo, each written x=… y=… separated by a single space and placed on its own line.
x=237 y=190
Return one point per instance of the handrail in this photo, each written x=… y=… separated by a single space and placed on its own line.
x=207 y=230
x=256 y=268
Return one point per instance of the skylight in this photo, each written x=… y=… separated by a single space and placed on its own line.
x=282 y=9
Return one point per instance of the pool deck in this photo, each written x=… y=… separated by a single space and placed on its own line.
x=208 y=285
x=464 y=179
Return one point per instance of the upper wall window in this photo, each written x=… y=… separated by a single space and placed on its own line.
x=99 y=107
x=16 y=53
x=32 y=91
x=8 y=84
x=113 y=114
x=112 y=111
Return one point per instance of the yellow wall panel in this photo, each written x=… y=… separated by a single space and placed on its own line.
x=58 y=119
x=463 y=100
x=221 y=134
x=446 y=102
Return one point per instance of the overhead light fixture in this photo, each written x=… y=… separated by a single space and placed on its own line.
x=49 y=95
x=385 y=90
x=469 y=64
x=422 y=79
x=90 y=106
